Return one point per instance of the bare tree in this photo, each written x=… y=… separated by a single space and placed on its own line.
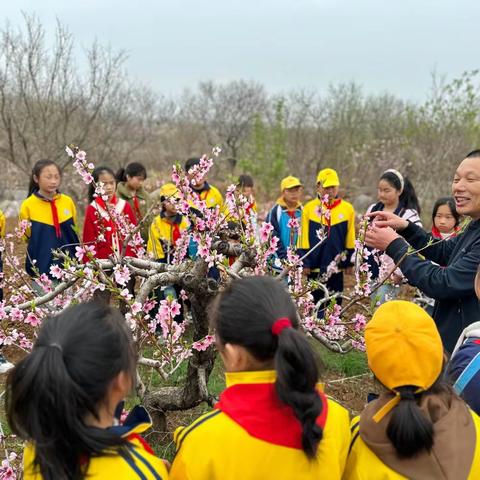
x=45 y=98
x=225 y=112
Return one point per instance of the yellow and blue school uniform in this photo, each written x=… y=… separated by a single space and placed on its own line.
x=251 y=434
x=52 y=227
x=340 y=237
x=138 y=461
x=279 y=217
x=164 y=232
x=211 y=195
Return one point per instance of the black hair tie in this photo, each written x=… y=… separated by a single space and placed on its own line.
x=407 y=396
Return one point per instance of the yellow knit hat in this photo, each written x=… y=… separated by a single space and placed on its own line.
x=403 y=348
x=328 y=177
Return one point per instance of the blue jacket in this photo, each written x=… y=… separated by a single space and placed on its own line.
x=279 y=219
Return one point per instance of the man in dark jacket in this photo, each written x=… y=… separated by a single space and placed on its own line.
x=452 y=286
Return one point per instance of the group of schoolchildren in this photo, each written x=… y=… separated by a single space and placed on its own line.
x=274 y=419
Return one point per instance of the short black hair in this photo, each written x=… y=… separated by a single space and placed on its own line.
x=245 y=181
x=191 y=162
x=473 y=154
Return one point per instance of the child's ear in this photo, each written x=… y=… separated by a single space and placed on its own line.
x=35 y=179
x=235 y=357
x=122 y=384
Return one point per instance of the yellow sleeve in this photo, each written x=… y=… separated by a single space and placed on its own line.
x=24 y=214
x=303 y=239
x=154 y=245
x=3 y=225
x=74 y=212
x=350 y=240
x=218 y=198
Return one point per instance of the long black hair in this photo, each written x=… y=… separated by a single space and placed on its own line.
x=95 y=174
x=408 y=197
x=36 y=171
x=450 y=202
x=65 y=377
x=243 y=315
x=409 y=430
x=134 y=169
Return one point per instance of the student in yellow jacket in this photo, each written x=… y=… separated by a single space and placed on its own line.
x=418 y=428
x=272 y=421
x=334 y=219
x=200 y=186
x=167 y=227
x=52 y=218
x=64 y=395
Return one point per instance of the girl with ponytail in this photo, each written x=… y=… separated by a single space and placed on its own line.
x=418 y=428
x=62 y=399
x=272 y=421
x=395 y=194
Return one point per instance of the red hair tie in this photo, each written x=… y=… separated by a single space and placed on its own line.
x=279 y=325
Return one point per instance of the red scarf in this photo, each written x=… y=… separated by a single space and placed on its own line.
x=331 y=206
x=438 y=235
x=136 y=207
x=56 y=223
x=53 y=207
x=258 y=410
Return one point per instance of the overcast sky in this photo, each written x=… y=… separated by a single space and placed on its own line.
x=385 y=45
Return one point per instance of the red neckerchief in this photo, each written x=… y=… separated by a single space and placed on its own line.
x=53 y=207
x=438 y=235
x=291 y=214
x=108 y=222
x=257 y=409
x=331 y=206
x=250 y=206
x=56 y=223
x=136 y=207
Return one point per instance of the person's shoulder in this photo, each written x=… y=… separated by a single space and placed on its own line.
x=122 y=191
x=197 y=428
x=347 y=205
x=311 y=204
x=337 y=410
x=66 y=198
x=215 y=190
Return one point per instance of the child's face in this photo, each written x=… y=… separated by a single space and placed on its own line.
x=109 y=184
x=48 y=180
x=444 y=220
x=292 y=195
x=135 y=183
x=387 y=193
x=332 y=192
x=169 y=208
x=247 y=192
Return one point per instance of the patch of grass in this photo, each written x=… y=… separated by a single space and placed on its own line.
x=343 y=365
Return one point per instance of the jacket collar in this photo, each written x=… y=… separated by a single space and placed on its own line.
x=137 y=421
x=125 y=192
x=260 y=376
x=282 y=203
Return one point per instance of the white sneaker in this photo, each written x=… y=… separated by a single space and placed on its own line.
x=5 y=365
